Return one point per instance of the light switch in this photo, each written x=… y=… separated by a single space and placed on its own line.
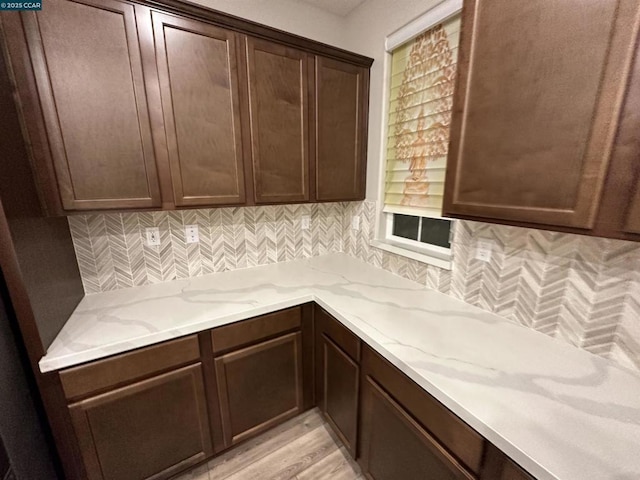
x=355 y=222
x=484 y=249
x=153 y=236
x=305 y=222
x=191 y=233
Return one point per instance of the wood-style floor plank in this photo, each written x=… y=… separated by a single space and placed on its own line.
x=338 y=465
x=257 y=448
x=286 y=462
x=302 y=448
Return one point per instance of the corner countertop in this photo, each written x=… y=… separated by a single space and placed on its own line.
x=560 y=412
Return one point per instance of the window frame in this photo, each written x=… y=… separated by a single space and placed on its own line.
x=384 y=238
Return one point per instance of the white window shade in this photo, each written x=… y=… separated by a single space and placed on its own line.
x=422 y=80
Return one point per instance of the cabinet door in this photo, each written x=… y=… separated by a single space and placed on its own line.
x=86 y=61
x=278 y=90
x=340 y=377
x=534 y=118
x=150 y=429
x=394 y=446
x=260 y=386
x=342 y=92
x=198 y=74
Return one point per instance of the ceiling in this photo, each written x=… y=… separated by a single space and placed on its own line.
x=337 y=7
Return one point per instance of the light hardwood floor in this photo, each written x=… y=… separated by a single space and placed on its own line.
x=304 y=448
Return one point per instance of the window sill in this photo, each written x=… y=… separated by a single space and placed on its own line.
x=423 y=256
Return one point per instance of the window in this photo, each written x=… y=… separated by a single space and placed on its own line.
x=422 y=78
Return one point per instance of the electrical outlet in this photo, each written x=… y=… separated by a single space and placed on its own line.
x=153 y=236
x=355 y=223
x=305 y=222
x=191 y=233
x=484 y=249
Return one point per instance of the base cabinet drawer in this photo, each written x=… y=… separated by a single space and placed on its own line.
x=161 y=426
x=394 y=446
x=260 y=386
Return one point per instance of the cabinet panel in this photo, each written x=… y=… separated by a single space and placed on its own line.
x=260 y=386
x=197 y=70
x=458 y=437
x=394 y=446
x=338 y=333
x=86 y=61
x=531 y=142
x=633 y=217
x=255 y=329
x=112 y=372
x=341 y=377
x=341 y=112
x=150 y=429
x=278 y=89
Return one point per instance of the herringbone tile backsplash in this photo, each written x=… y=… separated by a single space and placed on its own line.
x=582 y=290
x=112 y=251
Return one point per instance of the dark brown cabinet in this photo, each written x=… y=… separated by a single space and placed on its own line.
x=150 y=429
x=338 y=377
x=177 y=403
x=342 y=93
x=399 y=421
x=197 y=69
x=136 y=105
x=93 y=125
x=536 y=145
x=260 y=386
x=632 y=224
x=396 y=446
x=147 y=404
x=278 y=98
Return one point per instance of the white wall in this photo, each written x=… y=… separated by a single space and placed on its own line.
x=367 y=28
x=292 y=16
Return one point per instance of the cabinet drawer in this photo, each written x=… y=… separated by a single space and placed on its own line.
x=250 y=331
x=111 y=372
x=460 y=439
x=338 y=333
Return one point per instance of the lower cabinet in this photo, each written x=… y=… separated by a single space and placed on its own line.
x=395 y=446
x=156 y=411
x=405 y=433
x=260 y=386
x=149 y=429
x=338 y=377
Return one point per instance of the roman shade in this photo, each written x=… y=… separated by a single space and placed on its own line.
x=422 y=79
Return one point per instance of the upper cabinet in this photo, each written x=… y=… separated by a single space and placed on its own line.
x=279 y=106
x=537 y=115
x=129 y=106
x=342 y=92
x=197 y=70
x=92 y=103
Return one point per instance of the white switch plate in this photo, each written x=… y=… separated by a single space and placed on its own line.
x=191 y=233
x=153 y=236
x=484 y=248
x=305 y=222
x=355 y=223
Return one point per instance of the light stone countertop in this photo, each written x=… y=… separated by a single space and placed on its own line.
x=560 y=412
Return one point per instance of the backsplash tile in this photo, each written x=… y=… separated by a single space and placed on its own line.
x=112 y=251
x=582 y=290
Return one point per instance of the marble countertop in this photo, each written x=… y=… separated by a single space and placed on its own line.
x=560 y=412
